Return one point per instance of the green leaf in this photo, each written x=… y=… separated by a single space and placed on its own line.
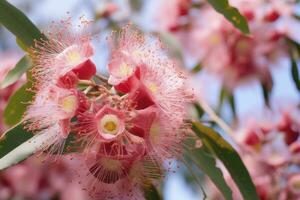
x=72 y=145
x=199 y=109
x=229 y=157
x=17 y=144
x=151 y=193
x=17 y=105
x=295 y=73
x=10 y=142
x=266 y=90
x=231 y=100
x=14 y=75
x=207 y=163
x=13 y=138
x=21 y=44
x=222 y=97
x=17 y=23
x=227 y=95
x=230 y=13
x=197 y=68
x=34 y=144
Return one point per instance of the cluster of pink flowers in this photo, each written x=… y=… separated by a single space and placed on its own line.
x=36 y=179
x=208 y=38
x=270 y=150
x=126 y=127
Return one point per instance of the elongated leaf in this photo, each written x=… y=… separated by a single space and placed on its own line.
x=17 y=23
x=17 y=105
x=14 y=75
x=228 y=96
x=151 y=193
x=266 y=90
x=17 y=144
x=231 y=100
x=295 y=73
x=13 y=138
x=34 y=144
x=230 y=13
x=207 y=163
x=197 y=68
x=229 y=157
x=199 y=109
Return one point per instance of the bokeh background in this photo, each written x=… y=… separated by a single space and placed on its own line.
x=157 y=16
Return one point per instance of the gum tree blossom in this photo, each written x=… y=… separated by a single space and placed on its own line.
x=175 y=10
x=270 y=151
x=147 y=75
x=51 y=113
x=65 y=51
x=234 y=57
x=60 y=61
x=126 y=129
x=128 y=138
x=36 y=179
x=125 y=149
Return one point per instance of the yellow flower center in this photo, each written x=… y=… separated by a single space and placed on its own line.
x=73 y=57
x=109 y=124
x=152 y=87
x=215 y=39
x=69 y=104
x=125 y=70
x=243 y=46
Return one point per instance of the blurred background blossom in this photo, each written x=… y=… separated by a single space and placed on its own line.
x=220 y=60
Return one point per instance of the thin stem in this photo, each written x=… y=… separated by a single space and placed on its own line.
x=86 y=82
x=214 y=117
x=88 y=89
x=101 y=77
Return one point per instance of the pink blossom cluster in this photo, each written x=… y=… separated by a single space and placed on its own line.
x=33 y=179
x=38 y=180
x=208 y=38
x=270 y=151
x=127 y=127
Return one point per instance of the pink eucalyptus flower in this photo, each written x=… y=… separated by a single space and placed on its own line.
x=272 y=162
x=223 y=50
x=143 y=70
x=124 y=139
x=125 y=146
x=289 y=125
x=65 y=50
x=171 y=12
x=36 y=179
x=51 y=113
x=103 y=182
